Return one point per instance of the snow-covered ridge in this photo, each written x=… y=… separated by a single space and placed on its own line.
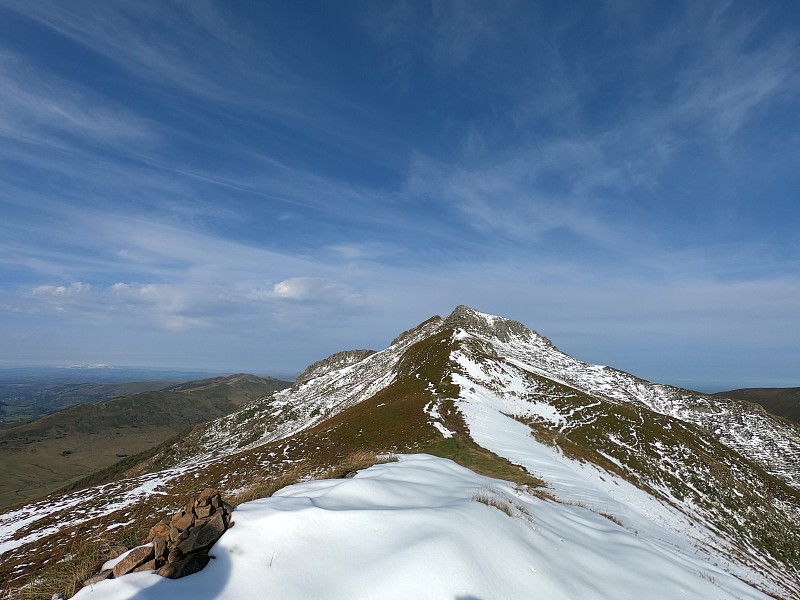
x=337 y=383
x=679 y=497
x=426 y=528
x=340 y=360
x=771 y=443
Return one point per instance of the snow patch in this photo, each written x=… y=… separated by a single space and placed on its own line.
x=413 y=529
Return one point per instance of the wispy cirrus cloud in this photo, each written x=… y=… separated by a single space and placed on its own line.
x=531 y=186
x=113 y=30
x=41 y=107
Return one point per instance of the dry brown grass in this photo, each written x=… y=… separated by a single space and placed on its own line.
x=82 y=558
x=613 y=518
x=312 y=469
x=484 y=497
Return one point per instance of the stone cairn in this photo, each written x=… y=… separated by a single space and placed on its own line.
x=179 y=547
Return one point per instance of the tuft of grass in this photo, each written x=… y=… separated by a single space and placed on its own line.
x=356 y=461
x=484 y=497
x=613 y=518
x=266 y=487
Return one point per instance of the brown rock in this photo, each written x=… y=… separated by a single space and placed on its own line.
x=180 y=547
x=182 y=522
x=97 y=578
x=159 y=547
x=168 y=570
x=202 y=537
x=174 y=555
x=205 y=496
x=158 y=530
x=132 y=560
x=150 y=565
x=189 y=565
x=174 y=534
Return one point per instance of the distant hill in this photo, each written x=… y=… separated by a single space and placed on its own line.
x=28 y=393
x=41 y=455
x=784 y=402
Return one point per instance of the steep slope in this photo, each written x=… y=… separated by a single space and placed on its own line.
x=49 y=452
x=744 y=513
x=784 y=402
x=769 y=442
x=326 y=388
x=684 y=472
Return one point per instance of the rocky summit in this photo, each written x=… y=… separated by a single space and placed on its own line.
x=710 y=484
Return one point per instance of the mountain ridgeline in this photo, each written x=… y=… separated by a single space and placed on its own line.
x=487 y=392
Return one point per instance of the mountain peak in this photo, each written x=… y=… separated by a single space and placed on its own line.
x=504 y=329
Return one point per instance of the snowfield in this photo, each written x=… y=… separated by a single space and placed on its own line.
x=415 y=529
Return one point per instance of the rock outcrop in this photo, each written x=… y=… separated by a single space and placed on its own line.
x=180 y=546
x=336 y=361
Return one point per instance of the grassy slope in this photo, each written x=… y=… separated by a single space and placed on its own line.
x=784 y=402
x=45 y=454
x=25 y=400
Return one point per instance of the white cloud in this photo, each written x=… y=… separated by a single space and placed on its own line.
x=314 y=289
x=61 y=291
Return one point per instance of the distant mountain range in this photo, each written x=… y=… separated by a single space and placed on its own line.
x=645 y=486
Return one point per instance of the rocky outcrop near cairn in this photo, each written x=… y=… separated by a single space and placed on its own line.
x=180 y=546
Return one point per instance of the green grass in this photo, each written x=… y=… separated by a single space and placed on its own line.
x=482 y=461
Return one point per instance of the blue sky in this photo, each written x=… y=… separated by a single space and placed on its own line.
x=251 y=186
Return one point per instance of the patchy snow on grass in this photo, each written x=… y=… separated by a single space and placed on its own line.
x=95 y=502
x=661 y=530
x=432 y=410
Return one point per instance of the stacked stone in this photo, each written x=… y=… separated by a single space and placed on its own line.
x=179 y=547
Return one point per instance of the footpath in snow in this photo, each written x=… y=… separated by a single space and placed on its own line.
x=415 y=529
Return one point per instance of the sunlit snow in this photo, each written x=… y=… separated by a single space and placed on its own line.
x=414 y=529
